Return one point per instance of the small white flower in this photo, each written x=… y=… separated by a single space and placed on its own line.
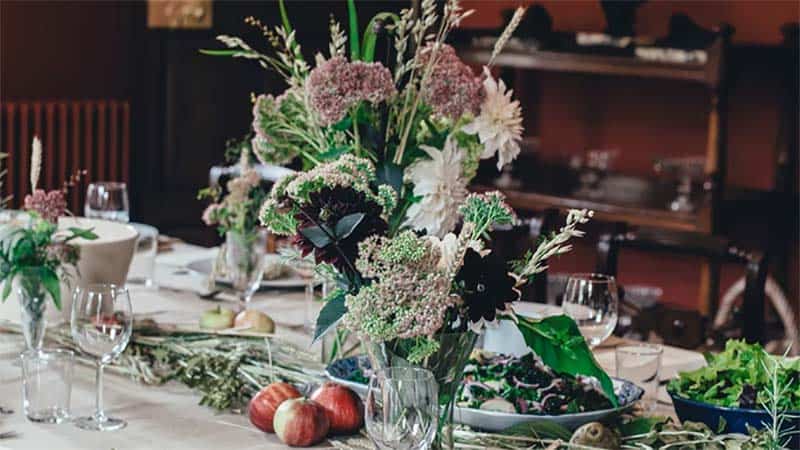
x=448 y=246
x=499 y=124
x=441 y=186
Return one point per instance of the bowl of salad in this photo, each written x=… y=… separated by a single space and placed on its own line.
x=737 y=388
x=500 y=391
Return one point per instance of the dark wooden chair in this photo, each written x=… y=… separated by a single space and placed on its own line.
x=714 y=248
x=511 y=243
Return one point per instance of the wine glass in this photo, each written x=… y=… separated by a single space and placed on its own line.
x=402 y=409
x=101 y=324
x=591 y=300
x=107 y=200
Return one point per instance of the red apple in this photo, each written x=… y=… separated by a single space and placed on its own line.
x=263 y=405
x=342 y=406
x=300 y=422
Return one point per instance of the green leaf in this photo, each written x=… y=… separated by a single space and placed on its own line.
x=330 y=315
x=559 y=343
x=220 y=52
x=347 y=224
x=333 y=153
x=641 y=425
x=317 y=235
x=371 y=34
x=50 y=282
x=353 y=21
x=7 y=286
x=391 y=174
x=540 y=429
x=87 y=234
x=284 y=16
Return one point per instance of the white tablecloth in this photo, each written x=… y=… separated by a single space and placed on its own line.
x=166 y=417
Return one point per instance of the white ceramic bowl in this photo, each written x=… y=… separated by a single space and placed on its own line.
x=107 y=258
x=505 y=338
x=103 y=260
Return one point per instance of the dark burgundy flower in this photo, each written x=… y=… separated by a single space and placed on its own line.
x=327 y=206
x=486 y=286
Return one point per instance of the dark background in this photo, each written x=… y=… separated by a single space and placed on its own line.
x=186 y=105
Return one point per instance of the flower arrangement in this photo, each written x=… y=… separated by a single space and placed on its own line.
x=388 y=149
x=236 y=209
x=36 y=255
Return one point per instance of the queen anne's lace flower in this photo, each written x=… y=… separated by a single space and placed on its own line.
x=441 y=186
x=451 y=89
x=499 y=125
x=336 y=85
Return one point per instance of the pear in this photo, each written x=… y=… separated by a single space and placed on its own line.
x=218 y=318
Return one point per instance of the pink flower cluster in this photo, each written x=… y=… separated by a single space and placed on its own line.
x=210 y=214
x=452 y=89
x=50 y=205
x=336 y=85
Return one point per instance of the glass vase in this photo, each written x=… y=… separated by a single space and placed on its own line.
x=447 y=365
x=33 y=303
x=244 y=261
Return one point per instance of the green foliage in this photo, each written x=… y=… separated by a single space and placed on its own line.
x=34 y=255
x=559 y=343
x=542 y=429
x=331 y=314
x=739 y=377
x=352 y=17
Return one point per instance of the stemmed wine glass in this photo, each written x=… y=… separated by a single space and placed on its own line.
x=591 y=299
x=101 y=322
x=402 y=410
x=107 y=200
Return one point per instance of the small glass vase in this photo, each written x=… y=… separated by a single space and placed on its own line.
x=447 y=365
x=33 y=303
x=244 y=261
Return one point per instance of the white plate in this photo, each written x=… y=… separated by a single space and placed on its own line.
x=203 y=267
x=627 y=392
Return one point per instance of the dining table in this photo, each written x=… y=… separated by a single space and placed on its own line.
x=168 y=416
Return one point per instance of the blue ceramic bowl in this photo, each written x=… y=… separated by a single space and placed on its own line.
x=736 y=419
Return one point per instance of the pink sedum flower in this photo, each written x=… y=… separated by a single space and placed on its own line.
x=452 y=89
x=50 y=205
x=210 y=213
x=336 y=85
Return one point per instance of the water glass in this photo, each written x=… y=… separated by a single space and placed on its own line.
x=101 y=324
x=592 y=301
x=47 y=384
x=107 y=200
x=402 y=409
x=640 y=363
x=245 y=261
x=143 y=264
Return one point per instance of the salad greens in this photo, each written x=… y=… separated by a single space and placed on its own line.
x=525 y=385
x=738 y=378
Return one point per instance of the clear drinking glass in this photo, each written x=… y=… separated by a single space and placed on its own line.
x=402 y=408
x=142 y=269
x=591 y=300
x=46 y=384
x=640 y=364
x=102 y=320
x=245 y=261
x=107 y=200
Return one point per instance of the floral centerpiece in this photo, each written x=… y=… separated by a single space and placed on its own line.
x=388 y=149
x=235 y=214
x=33 y=257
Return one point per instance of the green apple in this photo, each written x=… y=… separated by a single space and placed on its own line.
x=218 y=318
x=252 y=320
